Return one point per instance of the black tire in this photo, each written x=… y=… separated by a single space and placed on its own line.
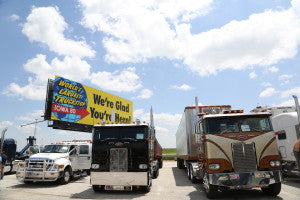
x=188 y=172
x=160 y=163
x=211 y=191
x=272 y=190
x=147 y=188
x=97 y=189
x=180 y=164
x=66 y=176
x=155 y=174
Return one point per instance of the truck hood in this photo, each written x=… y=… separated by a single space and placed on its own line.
x=52 y=156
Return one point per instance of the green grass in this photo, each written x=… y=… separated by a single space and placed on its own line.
x=169 y=154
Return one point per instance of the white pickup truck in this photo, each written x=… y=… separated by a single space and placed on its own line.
x=60 y=161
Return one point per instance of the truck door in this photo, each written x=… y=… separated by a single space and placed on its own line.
x=84 y=157
x=74 y=157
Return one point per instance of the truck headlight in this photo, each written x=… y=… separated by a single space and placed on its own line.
x=142 y=166
x=214 y=166
x=95 y=166
x=275 y=163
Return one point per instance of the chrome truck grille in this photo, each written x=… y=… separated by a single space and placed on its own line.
x=118 y=160
x=244 y=157
x=39 y=165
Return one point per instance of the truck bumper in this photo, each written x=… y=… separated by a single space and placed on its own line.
x=246 y=179
x=119 y=178
x=38 y=176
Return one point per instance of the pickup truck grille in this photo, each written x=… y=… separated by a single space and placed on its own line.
x=118 y=160
x=244 y=157
x=39 y=165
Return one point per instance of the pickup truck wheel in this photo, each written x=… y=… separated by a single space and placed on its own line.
x=66 y=177
x=272 y=190
x=211 y=191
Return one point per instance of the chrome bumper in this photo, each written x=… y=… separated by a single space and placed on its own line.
x=38 y=176
x=245 y=180
x=119 y=178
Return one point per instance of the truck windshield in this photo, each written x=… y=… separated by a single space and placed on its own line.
x=237 y=124
x=56 y=149
x=134 y=133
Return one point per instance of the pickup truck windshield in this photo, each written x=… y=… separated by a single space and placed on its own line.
x=56 y=149
x=134 y=133
x=237 y=124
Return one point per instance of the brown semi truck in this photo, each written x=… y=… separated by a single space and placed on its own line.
x=228 y=149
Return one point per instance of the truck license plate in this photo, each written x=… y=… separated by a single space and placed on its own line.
x=32 y=174
x=114 y=187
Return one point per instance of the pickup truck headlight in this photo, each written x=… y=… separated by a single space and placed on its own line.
x=143 y=166
x=95 y=166
x=214 y=166
x=275 y=163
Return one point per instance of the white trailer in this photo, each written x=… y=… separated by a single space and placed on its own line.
x=286 y=126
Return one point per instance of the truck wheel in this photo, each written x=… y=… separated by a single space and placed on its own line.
x=147 y=188
x=155 y=174
x=188 y=170
x=66 y=177
x=272 y=190
x=192 y=177
x=160 y=163
x=96 y=188
x=180 y=164
x=211 y=191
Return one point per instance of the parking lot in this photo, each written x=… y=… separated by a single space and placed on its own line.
x=172 y=183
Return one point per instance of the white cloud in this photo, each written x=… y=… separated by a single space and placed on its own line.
x=4 y=124
x=14 y=17
x=145 y=94
x=32 y=116
x=46 y=25
x=268 y=92
x=182 y=87
x=252 y=75
x=120 y=81
x=266 y=84
x=273 y=69
x=290 y=92
x=285 y=77
x=70 y=67
x=139 y=30
x=165 y=123
x=286 y=103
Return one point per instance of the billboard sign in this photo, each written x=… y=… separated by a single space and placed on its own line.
x=77 y=103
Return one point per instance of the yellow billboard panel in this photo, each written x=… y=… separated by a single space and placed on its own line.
x=78 y=103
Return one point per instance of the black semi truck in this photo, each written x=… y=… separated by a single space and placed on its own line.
x=123 y=157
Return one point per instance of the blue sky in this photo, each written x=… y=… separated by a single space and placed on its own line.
x=155 y=53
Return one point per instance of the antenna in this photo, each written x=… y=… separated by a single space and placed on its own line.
x=36 y=121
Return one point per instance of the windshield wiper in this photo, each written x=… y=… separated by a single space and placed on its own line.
x=108 y=139
x=130 y=139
